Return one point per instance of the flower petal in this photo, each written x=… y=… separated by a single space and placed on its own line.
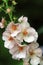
x=33 y=32
x=29 y=39
x=8 y=44
x=35 y=60
x=38 y=52
x=19 y=55
x=20 y=19
x=34 y=45
x=5 y=36
x=23 y=19
x=19 y=37
x=13 y=50
x=15 y=33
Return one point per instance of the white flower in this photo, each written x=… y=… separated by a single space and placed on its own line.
x=18 y=51
x=2 y=23
x=9 y=40
x=27 y=34
x=35 y=60
x=9 y=35
x=34 y=50
x=34 y=53
x=13 y=29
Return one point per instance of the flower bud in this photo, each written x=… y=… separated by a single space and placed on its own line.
x=8 y=10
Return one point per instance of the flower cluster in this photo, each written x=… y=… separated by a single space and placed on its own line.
x=18 y=33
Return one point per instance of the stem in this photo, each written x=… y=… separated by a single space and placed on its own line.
x=10 y=14
x=6 y=5
x=3 y=10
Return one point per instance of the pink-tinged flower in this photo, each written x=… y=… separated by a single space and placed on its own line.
x=9 y=35
x=34 y=50
x=34 y=53
x=9 y=40
x=2 y=23
x=18 y=51
x=13 y=29
x=28 y=34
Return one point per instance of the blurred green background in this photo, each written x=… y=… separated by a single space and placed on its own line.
x=33 y=9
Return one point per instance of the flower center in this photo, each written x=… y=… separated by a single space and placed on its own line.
x=20 y=48
x=14 y=27
x=31 y=52
x=10 y=38
x=25 y=32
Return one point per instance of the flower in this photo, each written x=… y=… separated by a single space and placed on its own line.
x=28 y=34
x=9 y=36
x=34 y=53
x=10 y=31
x=2 y=23
x=13 y=29
x=34 y=50
x=9 y=40
x=18 y=51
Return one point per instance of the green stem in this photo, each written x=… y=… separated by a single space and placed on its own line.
x=10 y=14
x=6 y=5
x=3 y=10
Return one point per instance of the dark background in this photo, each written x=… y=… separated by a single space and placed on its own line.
x=33 y=9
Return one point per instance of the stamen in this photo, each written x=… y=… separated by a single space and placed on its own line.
x=10 y=38
x=25 y=32
x=14 y=27
x=20 y=48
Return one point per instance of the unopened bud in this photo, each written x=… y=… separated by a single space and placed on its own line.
x=8 y=10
